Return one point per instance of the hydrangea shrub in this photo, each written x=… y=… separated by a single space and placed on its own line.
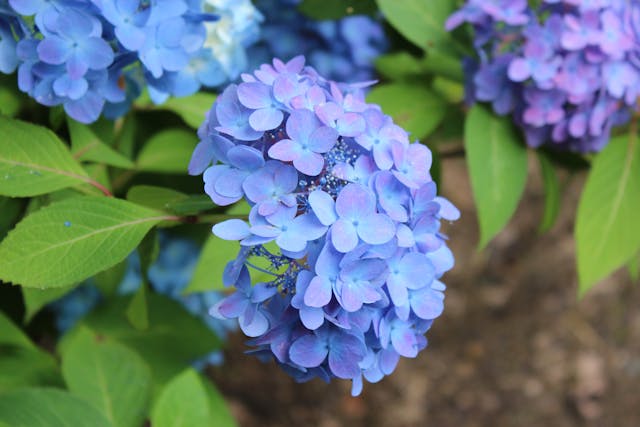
x=344 y=213
x=96 y=57
x=566 y=70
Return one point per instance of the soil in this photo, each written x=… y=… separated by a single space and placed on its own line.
x=514 y=347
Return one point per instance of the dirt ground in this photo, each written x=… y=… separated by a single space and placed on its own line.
x=514 y=347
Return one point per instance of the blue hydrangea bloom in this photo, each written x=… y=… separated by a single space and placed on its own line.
x=341 y=50
x=343 y=212
x=567 y=70
x=96 y=57
x=168 y=275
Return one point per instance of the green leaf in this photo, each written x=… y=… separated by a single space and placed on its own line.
x=69 y=241
x=159 y=198
x=551 y=192
x=192 y=109
x=85 y=145
x=34 y=161
x=10 y=97
x=215 y=255
x=137 y=312
x=168 y=151
x=634 y=268
x=415 y=108
x=21 y=367
x=109 y=280
x=21 y=362
x=12 y=335
x=35 y=299
x=173 y=340
x=497 y=162
x=204 y=407
x=399 y=66
x=444 y=64
x=10 y=209
x=109 y=376
x=336 y=9
x=607 y=229
x=420 y=21
x=42 y=407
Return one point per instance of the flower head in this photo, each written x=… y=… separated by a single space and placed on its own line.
x=344 y=214
x=567 y=70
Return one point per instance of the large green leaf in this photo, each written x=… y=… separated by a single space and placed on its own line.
x=109 y=376
x=69 y=241
x=202 y=408
x=85 y=145
x=9 y=211
x=11 y=335
x=42 y=407
x=551 y=192
x=173 y=340
x=607 y=228
x=168 y=151
x=415 y=108
x=34 y=161
x=497 y=162
x=420 y=21
x=192 y=109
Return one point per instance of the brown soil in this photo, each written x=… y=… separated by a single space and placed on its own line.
x=514 y=347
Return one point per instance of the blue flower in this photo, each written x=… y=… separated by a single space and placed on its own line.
x=344 y=213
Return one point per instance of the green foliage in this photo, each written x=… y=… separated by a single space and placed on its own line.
x=34 y=161
x=215 y=255
x=192 y=109
x=415 y=108
x=35 y=299
x=169 y=200
x=420 y=21
x=86 y=146
x=607 y=230
x=497 y=162
x=109 y=376
x=69 y=241
x=399 y=66
x=21 y=362
x=551 y=192
x=9 y=211
x=42 y=407
x=168 y=151
x=203 y=407
x=336 y=9
x=173 y=340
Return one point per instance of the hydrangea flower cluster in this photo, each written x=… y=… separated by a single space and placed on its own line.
x=344 y=218
x=169 y=275
x=341 y=50
x=94 y=56
x=568 y=70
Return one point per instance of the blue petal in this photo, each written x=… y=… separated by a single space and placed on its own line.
x=308 y=351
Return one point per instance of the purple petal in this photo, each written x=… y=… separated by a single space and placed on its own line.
x=231 y=229
x=256 y=326
x=312 y=318
x=344 y=236
x=309 y=163
x=318 y=293
x=323 y=139
x=255 y=95
x=345 y=354
x=266 y=119
x=323 y=206
x=355 y=201
x=203 y=155
x=308 y=351
x=376 y=229
x=54 y=50
x=404 y=342
x=285 y=150
x=232 y=306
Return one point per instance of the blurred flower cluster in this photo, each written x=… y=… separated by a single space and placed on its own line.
x=169 y=275
x=568 y=70
x=97 y=56
x=344 y=219
x=341 y=50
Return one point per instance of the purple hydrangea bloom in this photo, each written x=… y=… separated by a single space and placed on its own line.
x=344 y=214
x=567 y=70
